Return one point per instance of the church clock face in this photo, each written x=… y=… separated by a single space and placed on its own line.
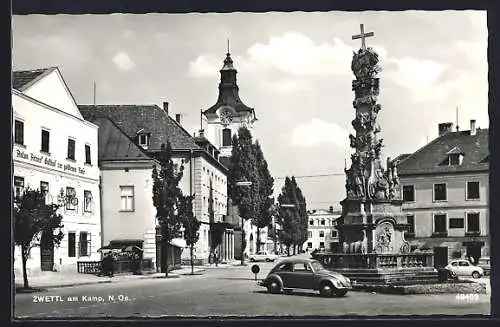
x=226 y=117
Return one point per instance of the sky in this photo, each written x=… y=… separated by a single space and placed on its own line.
x=293 y=69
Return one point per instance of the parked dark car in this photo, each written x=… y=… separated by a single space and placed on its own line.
x=485 y=263
x=293 y=273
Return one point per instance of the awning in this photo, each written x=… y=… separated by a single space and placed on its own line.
x=179 y=242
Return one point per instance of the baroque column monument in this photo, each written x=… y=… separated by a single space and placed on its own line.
x=372 y=246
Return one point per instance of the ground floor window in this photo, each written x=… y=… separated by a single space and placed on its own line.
x=322 y=245
x=84 y=244
x=309 y=245
x=71 y=244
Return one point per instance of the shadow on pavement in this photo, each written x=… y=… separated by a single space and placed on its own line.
x=294 y=293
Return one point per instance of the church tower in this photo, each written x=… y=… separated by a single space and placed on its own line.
x=229 y=112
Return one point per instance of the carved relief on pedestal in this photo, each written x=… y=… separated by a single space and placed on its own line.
x=384 y=238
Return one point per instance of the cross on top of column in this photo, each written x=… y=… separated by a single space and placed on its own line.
x=362 y=36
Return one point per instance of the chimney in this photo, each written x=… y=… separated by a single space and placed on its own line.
x=165 y=107
x=330 y=209
x=472 y=127
x=178 y=118
x=201 y=133
x=445 y=128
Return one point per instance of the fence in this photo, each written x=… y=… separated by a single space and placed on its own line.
x=122 y=265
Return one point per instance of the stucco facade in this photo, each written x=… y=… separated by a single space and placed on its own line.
x=321 y=230
x=55 y=149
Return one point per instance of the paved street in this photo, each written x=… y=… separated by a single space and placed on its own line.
x=228 y=291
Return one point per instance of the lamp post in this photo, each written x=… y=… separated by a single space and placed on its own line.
x=243 y=183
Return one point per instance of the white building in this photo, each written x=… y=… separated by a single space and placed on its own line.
x=55 y=150
x=150 y=126
x=321 y=231
x=223 y=120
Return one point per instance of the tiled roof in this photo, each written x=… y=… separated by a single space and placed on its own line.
x=148 y=118
x=22 y=78
x=433 y=157
x=114 y=144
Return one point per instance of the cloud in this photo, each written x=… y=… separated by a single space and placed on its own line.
x=419 y=77
x=317 y=132
x=123 y=61
x=207 y=65
x=287 y=86
x=296 y=54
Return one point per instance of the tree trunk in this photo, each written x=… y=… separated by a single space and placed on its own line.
x=166 y=259
x=258 y=239
x=24 y=258
x=242 y=245
x=192 y=260
x=288 y=250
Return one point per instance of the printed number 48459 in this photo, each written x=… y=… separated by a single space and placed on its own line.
x=467 y=297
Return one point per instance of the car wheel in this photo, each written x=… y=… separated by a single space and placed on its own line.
x=252 y=260
x=340 y=293
x=476 y=274
x=268 y=260
x=326 y=289
x=274 y=286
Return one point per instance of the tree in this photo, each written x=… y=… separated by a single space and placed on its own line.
x=190 y=223
x=292 y=215
x=34 y=218
x=244 y=168
x=166 y=195
x=265 y=187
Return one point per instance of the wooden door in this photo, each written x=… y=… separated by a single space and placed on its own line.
x=46 y=253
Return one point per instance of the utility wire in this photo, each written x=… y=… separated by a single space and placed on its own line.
x=312 y=176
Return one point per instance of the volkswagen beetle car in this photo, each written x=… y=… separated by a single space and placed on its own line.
x=263 y=256
x=305 y=274
x=463 y=267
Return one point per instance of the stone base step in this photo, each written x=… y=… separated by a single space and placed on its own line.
x=400 y=277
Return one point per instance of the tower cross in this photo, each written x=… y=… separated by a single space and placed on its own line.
x=362 y=36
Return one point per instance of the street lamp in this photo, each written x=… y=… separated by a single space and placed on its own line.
x=243 y=183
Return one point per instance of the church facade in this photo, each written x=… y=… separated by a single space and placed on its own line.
x=223 y=119
x=55 y=151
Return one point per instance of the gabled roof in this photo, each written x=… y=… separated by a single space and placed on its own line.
x=455 y=150
x=430 y=158
x=148 y=118
x=114 y=144
x=22 y=79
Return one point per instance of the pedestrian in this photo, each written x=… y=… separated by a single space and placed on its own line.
x=216 y=257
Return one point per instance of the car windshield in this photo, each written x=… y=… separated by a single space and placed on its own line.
x=317 y=266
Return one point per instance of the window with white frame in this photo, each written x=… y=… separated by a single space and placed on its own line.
x=88 y=159
x=87 y=201
x=309 y=234
x=144 y=140
x=409 y=193
x=71 y=149
x=440 y=223
x=333 y=233
x=84 y=244
x=473 y=222
x=126 y=198
x=71 y=199
x=321 y=233
x=19 y=132
x=472 y=190
x=440 y=192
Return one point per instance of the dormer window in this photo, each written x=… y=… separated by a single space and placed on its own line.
x=144 y=140
x=454 y=159
x=455 y=156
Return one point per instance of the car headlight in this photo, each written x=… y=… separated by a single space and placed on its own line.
x=348 y=280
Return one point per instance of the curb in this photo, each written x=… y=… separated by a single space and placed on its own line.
x=44 y=287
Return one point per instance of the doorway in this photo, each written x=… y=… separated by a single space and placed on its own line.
x=46 y=252
x=440 y=256
x=473 y=250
